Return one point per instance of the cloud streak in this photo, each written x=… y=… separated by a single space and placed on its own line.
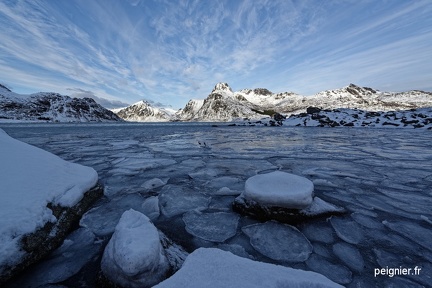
x=169 y=51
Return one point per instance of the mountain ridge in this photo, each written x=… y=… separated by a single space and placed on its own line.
x=51 y=107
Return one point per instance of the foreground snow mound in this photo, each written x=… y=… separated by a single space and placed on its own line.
x=279 y=189
x=134 y=256
x=31 y=181
x=209 y=267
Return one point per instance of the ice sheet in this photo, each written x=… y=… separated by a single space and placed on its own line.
x=279 y=241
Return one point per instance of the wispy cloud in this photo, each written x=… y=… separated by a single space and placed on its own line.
x=171 y=51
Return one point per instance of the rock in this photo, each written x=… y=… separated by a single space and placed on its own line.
x=279 y=189
x=283 y=197
x=210 y=267
x=134 y=257
x=318 y=209
x=312 y=110
x=48 y=238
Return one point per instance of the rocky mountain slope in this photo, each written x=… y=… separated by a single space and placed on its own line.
x=143 y=111
x=225 y=105
x=51 y=107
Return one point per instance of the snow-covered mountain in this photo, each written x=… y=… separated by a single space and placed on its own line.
x=143 y=111
x=225 y=105
x=52 y=107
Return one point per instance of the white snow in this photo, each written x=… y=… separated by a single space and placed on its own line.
x=279 y=189
x=134 y=256
x=30 y=178
x=210 y=267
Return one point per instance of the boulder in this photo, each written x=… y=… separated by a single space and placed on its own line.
x=283 y=197
x=138 y=255
x=46 y=239
x=43 y=197
x=210 y=267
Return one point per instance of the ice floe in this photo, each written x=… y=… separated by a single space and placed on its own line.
x=279 y=241
x=215 y=227
x=175 y=200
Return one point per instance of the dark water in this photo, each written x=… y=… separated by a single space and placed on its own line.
x=383 y=177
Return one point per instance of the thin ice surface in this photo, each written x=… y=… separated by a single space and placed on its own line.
x=379 y=173
x=77 y=249
x=175 y=200
x=279 y=241
x=215 y=227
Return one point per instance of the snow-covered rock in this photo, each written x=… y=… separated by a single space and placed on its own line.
x=51 y=107
x=316 y=117
x=279 y=189
x=210 y=267
x=42 y=197
x=143 y=111
x=283 y=197
x=134 y=257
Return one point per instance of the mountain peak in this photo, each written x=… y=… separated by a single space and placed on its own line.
x=4 y=87
x=221 y=86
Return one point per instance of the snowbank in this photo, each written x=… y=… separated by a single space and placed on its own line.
x=210 y=267
x=31 y=178
x=279 y=189
x=134 y=256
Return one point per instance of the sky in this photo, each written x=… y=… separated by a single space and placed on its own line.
x=168 y=52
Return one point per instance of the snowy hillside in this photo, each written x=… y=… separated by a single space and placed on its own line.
x=52 y=107
x=225 y=105
x=143 y=111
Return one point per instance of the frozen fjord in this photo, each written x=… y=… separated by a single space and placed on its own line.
x=381 y=176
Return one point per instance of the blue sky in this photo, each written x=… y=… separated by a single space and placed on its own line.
x=122 y=51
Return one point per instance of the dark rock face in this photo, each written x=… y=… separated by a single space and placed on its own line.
x=312 y=110
x=290 y=216
x=46 y=239
x=262 y=91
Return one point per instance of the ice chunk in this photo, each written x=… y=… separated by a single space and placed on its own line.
x=77 y=249
x=338 y=273
x=150 y=207
x=235 y=249
x=318 y=232
x=321 y=207
x=175 y=200
x=347 y=230
x=226 y=185
x=367 y=221
x=153 y=183
x=413 y=231
x=321 y=249
x=215 y=227
x=103 y=219
x=279 y=189
x=279 y=241
x=134 y=256
x=209 y=267
x=387 y=259
x=350 y=255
